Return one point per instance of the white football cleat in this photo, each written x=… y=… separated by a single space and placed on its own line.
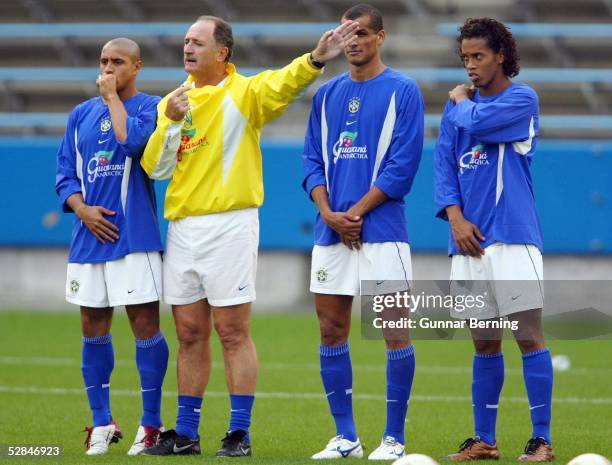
x=146 y=437
x=389 y=449
x=340 y=448
x=99 y=438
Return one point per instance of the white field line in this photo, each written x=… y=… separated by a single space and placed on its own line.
x=294 y=395
x=421 y=368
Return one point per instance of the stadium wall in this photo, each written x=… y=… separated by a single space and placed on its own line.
x=572 y=182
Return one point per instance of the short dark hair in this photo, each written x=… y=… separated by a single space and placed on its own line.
x=223 y=33
x=498 y=37
x=363 y=9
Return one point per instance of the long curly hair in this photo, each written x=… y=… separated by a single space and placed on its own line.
x=498 y=37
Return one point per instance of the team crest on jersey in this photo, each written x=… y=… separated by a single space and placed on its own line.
x=105 y=125
x=473 y=159
x=100 y=166
x=354 y=105
x=74 y=286
x=344 y=147
x=322 y=275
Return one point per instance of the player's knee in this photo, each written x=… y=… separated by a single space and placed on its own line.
x=189 y=333
x=486 y=347
x=232 y=336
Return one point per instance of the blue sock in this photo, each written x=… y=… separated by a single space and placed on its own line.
x=538 y=374
x=151 y=361
x=97 y=363
x=240 y=413
x=188 y=418
x=337 y=376
x=400 y=373
x=487 y=382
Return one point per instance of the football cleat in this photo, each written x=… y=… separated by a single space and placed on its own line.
x=100 y=437
x=234 y=444
x=146 y=437
x=475 y=449
x=537 y=450
x=340 y=448
x=389 y=449
x=170 y=443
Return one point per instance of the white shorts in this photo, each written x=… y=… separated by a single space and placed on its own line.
x=378 y=268
x=212 y=257
x=508 y=276
x=131 y=280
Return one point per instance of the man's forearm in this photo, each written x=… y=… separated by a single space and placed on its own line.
x=368 y=202
x=454 y=213
x=118 y=117
x=76 y=202
x=321 y=199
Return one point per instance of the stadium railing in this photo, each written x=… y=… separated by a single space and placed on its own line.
x=158 y=74
x=171 y=29
x=159 y=29
x=542 y=30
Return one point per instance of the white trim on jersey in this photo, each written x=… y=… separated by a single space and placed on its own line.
x=166 y=163
x=79 y=163
x=524 y=147
x=385 y=137
x=500 y=173
x=233 y=129
x=324 y=136
x=125 y=182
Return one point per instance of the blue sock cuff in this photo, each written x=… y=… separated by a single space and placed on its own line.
x=536 y=352
x=106 y=339
x=497 y=355
x=401 y=353
x=333 y=351
x=153 y=340
x=190 y=401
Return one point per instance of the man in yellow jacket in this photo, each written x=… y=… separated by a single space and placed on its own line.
x=207 y=142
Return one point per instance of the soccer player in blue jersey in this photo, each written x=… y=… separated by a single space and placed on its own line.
x=114 y=256
x=484 y=189
x=361 y=153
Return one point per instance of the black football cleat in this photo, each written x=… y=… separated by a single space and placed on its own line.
x=234 y=444
x=170 y=443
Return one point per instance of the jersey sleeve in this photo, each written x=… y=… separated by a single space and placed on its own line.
x=446 y=183
x=140 y=127
x=401 y=162
x=312 y=155
x=67 y=181
x=159 y=156
x=276 y=89
x=509 y=119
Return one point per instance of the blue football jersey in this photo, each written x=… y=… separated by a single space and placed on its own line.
x=482 y=164
x=91 y=161
x=364 y=134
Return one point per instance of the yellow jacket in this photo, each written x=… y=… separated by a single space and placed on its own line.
x=218 y=140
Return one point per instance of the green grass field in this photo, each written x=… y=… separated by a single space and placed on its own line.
x=42 y=399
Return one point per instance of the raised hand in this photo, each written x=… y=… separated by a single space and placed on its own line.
x=107 y=85
x=461 y=92
x=333 y=42
x=178 y=104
